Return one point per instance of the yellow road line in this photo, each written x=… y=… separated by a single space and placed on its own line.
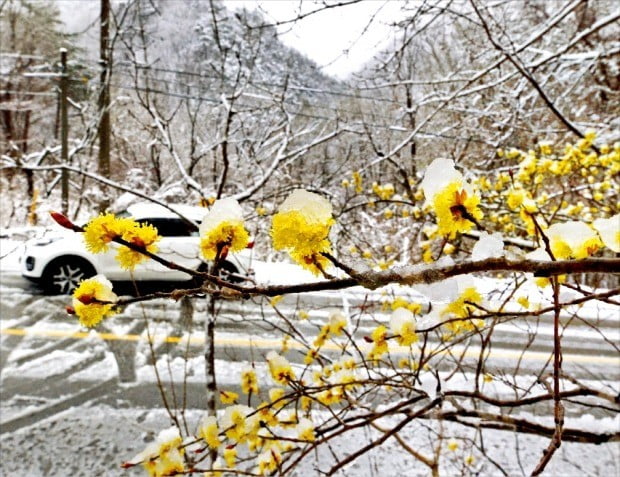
x=266 y=343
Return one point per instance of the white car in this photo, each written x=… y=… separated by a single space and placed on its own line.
x=60 y=260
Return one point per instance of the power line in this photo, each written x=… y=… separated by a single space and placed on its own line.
x=261 y=83
x=297 y=113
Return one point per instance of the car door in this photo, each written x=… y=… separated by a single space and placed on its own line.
x=179 y=244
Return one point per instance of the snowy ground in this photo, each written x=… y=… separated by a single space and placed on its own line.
x=63 y=412
x=93 y=439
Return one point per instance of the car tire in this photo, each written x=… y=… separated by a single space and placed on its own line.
x=63 y=275
x=226 y=269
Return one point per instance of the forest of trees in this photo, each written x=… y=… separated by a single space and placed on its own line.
x=207 y=104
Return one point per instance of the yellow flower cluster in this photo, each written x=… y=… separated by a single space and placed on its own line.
x=462 y=307
x=164 y=456
x=249 y=383
x=102 y=230
x=257 y=429
x=399 y=302
x=223 y=229
x=384 y=192
x=531 y=189
x=93 y=300
x=301 y=227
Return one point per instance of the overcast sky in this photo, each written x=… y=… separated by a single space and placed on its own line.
x=340 y=40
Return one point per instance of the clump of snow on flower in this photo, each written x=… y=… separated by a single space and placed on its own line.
x=438 y=175
x=540 y=254
x=488 y=246
x=609 y=231
x=574 y=234
x=337 y=320
x=313 y=207
x=449 y=289
x=400 y=319
x=223 y=210
x=430 y=320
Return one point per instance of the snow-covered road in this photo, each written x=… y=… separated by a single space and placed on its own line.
x=58 y=378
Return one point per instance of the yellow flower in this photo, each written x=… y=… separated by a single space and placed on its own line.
x=276 y=394
x=337 y=323
x=230 y=456
x=357 y=181
x=228 y=397
x=235 y=422
x=223 y=229
x=470 y=460
x=301 y=227
x=453 y=445
x=524 y=302
x=402 y=324
x=380 y=345
x=546 y=148
x=144 y=236
x=456 y=210
x=249 y=383
x=311 y=356
x=101 y=230
x=275 y=300
x=269 y=461
x=209 y=432
x=302 y=315
x=280 y=369
x=305 y=430
x=93 y=300
x=516 y=198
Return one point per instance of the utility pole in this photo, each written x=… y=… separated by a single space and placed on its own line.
x=104 y=96
x=64 y=133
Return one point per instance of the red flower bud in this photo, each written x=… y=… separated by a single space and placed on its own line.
x=62 y=220
x=367 y=339
x=70 y=310
x=224 y=252
x=250 y=244
x=86 y=299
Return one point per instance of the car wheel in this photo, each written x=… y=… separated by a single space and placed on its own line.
x=64 y=274
x=227 y=272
